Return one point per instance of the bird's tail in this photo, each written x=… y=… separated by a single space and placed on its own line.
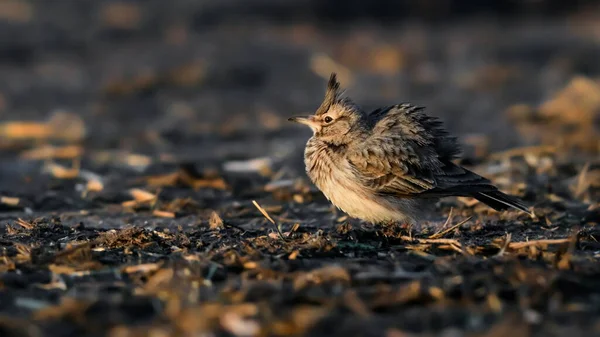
x=500 y=201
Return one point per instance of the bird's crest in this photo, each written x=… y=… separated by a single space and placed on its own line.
x=331 y=95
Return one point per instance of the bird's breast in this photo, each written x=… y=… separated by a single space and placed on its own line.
x=331 y=172
x=326 y=166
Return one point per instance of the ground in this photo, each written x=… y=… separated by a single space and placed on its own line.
x=151 y=186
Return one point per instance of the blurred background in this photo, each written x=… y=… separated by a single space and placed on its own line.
x=216 y=79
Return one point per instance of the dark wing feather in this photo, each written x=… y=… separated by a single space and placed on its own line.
x=409 y=154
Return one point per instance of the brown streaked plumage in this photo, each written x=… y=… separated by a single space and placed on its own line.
x=387 y=165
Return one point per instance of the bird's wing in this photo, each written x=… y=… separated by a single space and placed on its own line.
x=409 y=154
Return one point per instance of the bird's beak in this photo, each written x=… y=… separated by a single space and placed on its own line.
x=310 y=121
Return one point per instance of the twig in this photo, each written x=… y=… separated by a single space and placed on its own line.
x=519 y=245
x=441 y=234
x=24 y=224
x=445 y=223
x=432 y=241
x=505 y=245
x=266 y=215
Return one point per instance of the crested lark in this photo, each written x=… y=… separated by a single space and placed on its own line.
x=386 y=165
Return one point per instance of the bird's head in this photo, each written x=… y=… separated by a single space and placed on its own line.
x=337 y=119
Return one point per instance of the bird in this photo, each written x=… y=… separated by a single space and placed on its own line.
x=387 y=165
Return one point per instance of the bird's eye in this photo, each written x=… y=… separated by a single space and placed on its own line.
x=328 y=119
